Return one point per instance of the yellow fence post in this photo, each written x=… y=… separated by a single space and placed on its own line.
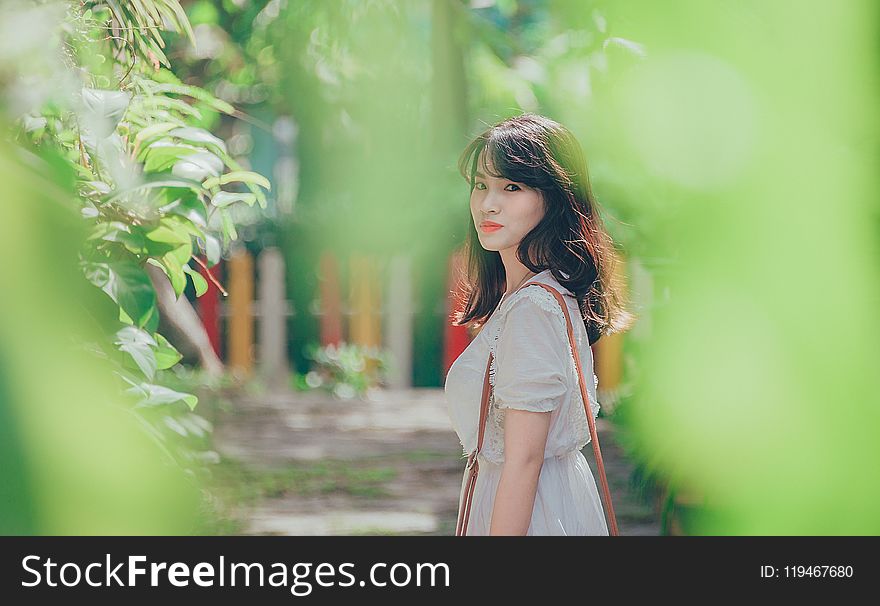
x=608 y=353
x=365 y=303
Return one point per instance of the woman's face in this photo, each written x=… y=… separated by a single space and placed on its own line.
x=514 y=206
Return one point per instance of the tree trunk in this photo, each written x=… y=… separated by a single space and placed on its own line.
x=181 y=325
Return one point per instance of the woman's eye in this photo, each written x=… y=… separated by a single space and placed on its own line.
x=512 y=185
x=480 y=185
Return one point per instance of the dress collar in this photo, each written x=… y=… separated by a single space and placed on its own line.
x=546 y=277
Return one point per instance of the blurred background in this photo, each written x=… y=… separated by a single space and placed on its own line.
x=232 y=232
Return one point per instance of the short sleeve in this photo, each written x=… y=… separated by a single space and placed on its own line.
x=531 y=354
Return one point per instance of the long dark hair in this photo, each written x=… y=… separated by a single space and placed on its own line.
x=570 y=239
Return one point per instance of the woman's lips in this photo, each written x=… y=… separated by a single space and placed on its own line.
x=489 y=227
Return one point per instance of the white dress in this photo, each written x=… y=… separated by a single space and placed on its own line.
x=533 y=369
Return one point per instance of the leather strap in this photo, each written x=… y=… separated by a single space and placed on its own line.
x=473 y=466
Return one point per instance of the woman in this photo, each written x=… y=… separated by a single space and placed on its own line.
x=535 y=220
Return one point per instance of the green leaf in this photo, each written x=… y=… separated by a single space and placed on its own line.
x=212 y=250
x=151 y=324
x=157 y=263
x=182 y=254
x=229 y=232
x=185 y=223
x=166 y=354
x=34 y=124
x=128 y=285
x=196 y=93
x=175 y=272
x=133 y=241
x=173 y=236
x=169 y=233
x=198 y=166
x=157 y=250
x=157 y=51
x=186 y=204
x=243 y=176
x=97 y=187
x=124 y=317
x=151 y=132
x=199 y=135
x=158 y=395
x=159 y=182
x=104 y=109
x=195 y=424
x=107 y=230
x=182 y=19
x=116 y=231
x=138 y=344
x=199 y=282
x=175 y=426
x=162 y=155
x=159 y=102
x=225 y=198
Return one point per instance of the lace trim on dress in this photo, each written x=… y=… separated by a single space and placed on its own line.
x=494 y=448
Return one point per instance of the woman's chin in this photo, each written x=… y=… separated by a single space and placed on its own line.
x=487 y=242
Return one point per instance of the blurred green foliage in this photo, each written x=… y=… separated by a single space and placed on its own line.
x=731 y=150
x=115 y=173
x=731 y=147
x=345 y=370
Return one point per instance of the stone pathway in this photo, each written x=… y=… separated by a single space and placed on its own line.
x=405 y=433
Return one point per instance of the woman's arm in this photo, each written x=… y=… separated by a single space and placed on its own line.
x=525 y=436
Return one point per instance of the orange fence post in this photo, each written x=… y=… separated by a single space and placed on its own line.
x=365 y=304
x=330 y=300
x=240 y=339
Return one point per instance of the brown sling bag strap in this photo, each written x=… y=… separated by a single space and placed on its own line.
x=473 y=465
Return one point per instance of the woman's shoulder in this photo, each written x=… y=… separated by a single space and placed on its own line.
x=532 y=295
x=530 y=299
x=533 y=309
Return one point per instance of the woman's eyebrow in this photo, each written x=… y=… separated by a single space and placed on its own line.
x=480 y=175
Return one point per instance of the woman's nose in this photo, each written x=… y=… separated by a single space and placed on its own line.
x=488 y=204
